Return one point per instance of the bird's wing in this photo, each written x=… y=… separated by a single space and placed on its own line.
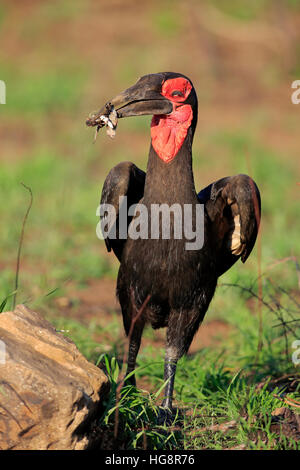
x=234 y=208
x=125 y=179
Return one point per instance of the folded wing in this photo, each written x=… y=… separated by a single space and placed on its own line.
x=125 y=179
x=234 y=209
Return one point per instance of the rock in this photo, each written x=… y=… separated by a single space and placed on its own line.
x=49 y=393
x=286 y=422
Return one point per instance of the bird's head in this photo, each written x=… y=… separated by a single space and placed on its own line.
x=171 y=99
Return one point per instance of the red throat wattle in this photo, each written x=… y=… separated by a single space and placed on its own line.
x=168 y=131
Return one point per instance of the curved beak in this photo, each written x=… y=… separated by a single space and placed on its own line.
x=143 y=98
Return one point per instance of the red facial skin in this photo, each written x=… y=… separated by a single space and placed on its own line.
x=168 y=131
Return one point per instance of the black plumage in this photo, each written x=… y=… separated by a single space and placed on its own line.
x=179 y=283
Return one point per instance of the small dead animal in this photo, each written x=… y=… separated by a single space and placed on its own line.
x=108 y=119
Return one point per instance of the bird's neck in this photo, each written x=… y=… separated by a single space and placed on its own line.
x=173 y=181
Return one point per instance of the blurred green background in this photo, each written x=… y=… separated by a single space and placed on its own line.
x=61 y=60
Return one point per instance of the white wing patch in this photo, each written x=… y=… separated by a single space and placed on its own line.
x=234 y=240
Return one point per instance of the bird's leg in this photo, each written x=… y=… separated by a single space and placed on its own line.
x=165 y=415
x=134 y=346
x=169 y=378
x=181 y=329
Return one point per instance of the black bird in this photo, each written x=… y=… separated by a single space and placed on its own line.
x=179 y=283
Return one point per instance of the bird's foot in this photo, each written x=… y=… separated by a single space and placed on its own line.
x=166 y=416
x=129 y=381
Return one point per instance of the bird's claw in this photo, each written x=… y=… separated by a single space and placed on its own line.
x=165 y=417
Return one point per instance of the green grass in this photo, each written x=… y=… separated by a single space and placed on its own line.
x=230 y=382
x=60 y=234
x=135 y=411
x=214 y=396
x=57 y=89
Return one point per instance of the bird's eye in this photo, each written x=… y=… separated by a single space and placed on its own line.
x=177 y=93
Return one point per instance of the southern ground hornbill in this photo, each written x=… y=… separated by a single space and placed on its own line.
x=179 y=283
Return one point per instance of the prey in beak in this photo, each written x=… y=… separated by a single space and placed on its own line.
x=143 y=98
x=109 y=119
